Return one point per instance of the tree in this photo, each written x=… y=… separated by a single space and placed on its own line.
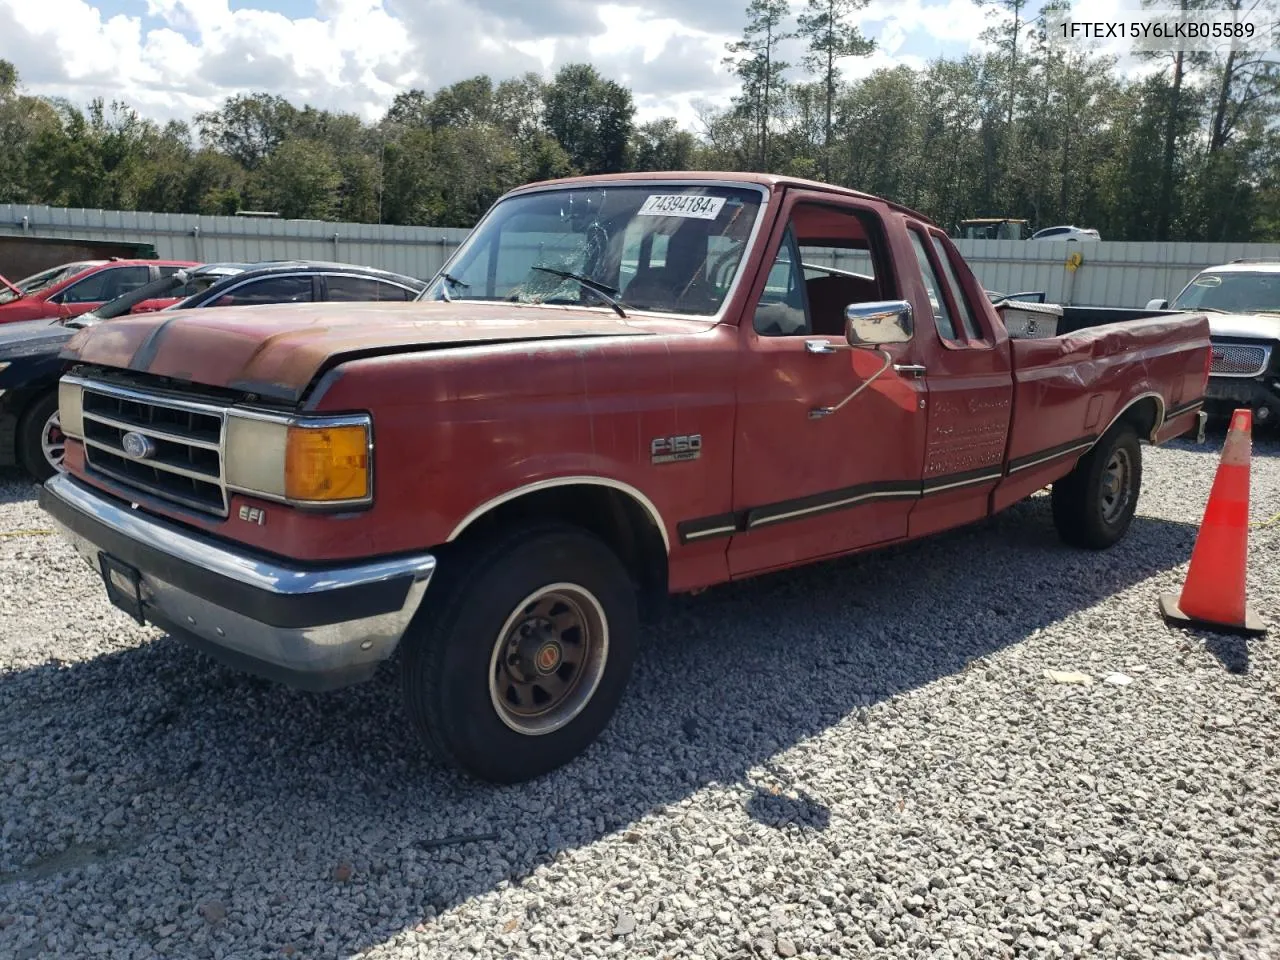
x=518 y=107
x=465 y=103
x=831 y=38
x=662 y=145
x=410 y=108
x=591 y=118
x=23 y=121
x=300 y=179
x=248 y=127
x=755 y=62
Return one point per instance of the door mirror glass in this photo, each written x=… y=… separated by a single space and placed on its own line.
x=1157 y=304
x=879 y=323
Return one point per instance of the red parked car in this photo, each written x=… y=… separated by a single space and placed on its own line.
x=71 y=289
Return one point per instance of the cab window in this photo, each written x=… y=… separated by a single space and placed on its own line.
x=967 y=319
x=832 y=257
x=781 y=310
x=933 y=287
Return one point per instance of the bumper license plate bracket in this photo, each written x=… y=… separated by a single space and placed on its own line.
x=124 y=585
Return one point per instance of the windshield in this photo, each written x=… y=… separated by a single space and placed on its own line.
x=1231 y=292
x=43 y=280
x=674 y=249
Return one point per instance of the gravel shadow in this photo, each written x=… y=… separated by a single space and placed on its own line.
x=279 y=806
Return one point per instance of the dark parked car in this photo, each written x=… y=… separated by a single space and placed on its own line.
x=30 y=433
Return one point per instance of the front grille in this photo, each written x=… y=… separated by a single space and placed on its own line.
x=183 y=462
x=1239 y=359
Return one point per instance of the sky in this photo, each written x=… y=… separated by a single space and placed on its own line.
x=173 y=58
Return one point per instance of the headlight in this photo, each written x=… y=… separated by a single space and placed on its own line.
x=325 y=461
x=71 y=409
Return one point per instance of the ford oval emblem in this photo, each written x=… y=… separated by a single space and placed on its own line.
x=136 y=446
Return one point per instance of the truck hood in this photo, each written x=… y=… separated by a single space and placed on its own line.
x=1253 y=326
x=278 y=350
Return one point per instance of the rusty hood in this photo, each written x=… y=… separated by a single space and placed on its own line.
x=278 y=350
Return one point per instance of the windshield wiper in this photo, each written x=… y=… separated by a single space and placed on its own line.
x=449 y=278
x=606 y=293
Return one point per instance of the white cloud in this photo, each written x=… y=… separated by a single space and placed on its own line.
x=184 y=56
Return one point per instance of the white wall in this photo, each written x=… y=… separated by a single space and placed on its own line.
x=1111 y=274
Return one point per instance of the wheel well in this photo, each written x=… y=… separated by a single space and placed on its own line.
x=1144 y=416
x=612 y=515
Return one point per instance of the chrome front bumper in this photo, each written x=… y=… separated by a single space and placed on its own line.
x=314 y=627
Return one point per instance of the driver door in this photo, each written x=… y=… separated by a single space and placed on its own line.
x=809 y=483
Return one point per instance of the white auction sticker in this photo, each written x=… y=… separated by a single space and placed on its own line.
x=682 y=205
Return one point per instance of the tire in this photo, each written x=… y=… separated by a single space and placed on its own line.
x=1093 y=505
x=471 y=674
x=40 y=459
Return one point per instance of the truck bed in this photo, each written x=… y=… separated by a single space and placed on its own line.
x=1080 y=318
x=1068 y=389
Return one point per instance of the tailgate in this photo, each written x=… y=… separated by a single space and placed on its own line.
x=1069 y=389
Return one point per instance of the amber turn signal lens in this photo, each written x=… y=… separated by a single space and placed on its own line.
x=324 y=464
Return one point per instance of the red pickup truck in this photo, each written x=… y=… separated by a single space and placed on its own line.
x=618 y=388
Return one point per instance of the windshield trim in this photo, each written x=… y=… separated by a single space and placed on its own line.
x=748 y=246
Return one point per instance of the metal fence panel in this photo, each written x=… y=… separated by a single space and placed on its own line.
x=1111 y=273
x=414 y=251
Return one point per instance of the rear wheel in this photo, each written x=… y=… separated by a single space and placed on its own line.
x=1094 y=504
x=521 y=655
x=41 y=444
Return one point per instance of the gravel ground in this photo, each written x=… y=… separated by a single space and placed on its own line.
x=863 y=758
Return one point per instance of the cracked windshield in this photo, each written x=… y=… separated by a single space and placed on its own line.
x=673 y=249
x=1235 y=292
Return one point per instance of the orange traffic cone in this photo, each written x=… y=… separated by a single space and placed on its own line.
x=1213 y=596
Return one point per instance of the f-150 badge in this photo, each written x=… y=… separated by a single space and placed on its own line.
x=676 y=449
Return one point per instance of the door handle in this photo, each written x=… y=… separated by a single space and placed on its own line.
x=909 y=369
x=818 y=346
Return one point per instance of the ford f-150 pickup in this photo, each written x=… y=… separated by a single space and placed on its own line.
x=616 y=389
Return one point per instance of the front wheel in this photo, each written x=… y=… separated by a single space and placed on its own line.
x=41 y=444
x=520 y=657
x=1094 y=504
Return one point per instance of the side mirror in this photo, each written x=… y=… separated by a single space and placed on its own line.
x=878 y=323
x=1157 y=304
